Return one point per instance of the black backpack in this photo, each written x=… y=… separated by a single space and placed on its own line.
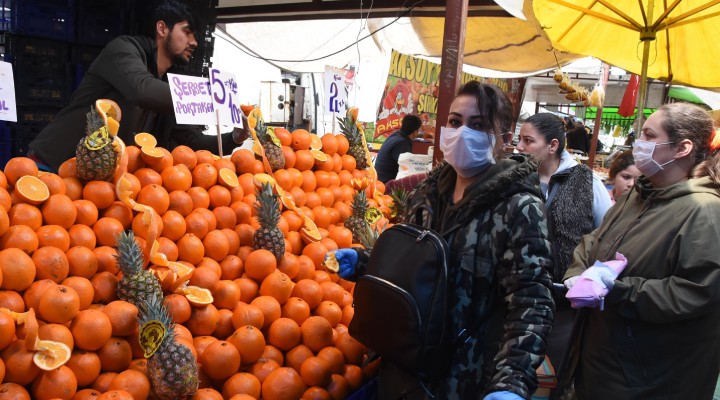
x=401 y=301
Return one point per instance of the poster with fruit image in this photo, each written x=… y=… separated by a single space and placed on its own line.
x=412 y=88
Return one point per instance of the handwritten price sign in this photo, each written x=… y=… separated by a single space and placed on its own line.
x=224 y=89
x=335 y=91
x=8 y=111
x=191 y=100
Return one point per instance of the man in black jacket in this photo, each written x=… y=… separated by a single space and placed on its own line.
x=399 y=142
x=131 y=70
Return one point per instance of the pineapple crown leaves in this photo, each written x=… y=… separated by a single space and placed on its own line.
x=155 y=310
x=349 y=129
x=94 y=121
x=129 y=255
x=359 y=203
x=267 y=206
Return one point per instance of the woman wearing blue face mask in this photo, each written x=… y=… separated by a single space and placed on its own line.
x=658 y=336
x=500 y=256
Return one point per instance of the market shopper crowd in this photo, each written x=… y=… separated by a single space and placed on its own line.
x=527 y=221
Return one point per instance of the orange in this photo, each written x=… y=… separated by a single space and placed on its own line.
x=225 y=327
x=338 y=387
x=32 y=294
x=174 y=225
x=18 y=269
x=135 y=162
x=284 y=333
x=332 y=292
x=341 y=236
x=176 y=177
x=249 y=342
x=259 y=264
x=19 y=366
x=6 y=200
x=50 y=263
x=58 y=383
x=200 y=197
x=231 y=267
x=59 y=304
x=58 y=209
x=277 y=285
x=86 y=394
x=296 y=309
x=247 y=314
x=304 y=160
x=243 y=212
x=354 y=376
x=12 y=300
x=135 y=383
x=102 y=383
x=156 y=197
x=185 y=156
x=119 y=211
x=153 y=161
x=244 y=160
x=352 y=350
x=83 y=287
x=220 y=360
x=20 y=237
x=329 y=144
x=301 y=139
x=31 y=190
x=248 y=288
x=309 y=182
x=56 y=333
x=18 y=167
x=316 y=393
x=330 y=311
x=284 y=136
x=178 y=307
x=68 y=168
x=203 y=320
x=85 y=365
x=335 y=356
x=315 y=371
x=317 y=333
x=204 y=175
x=297 y=355
x=53 y=235
x=147 y=176
x=4 y=221
x=106 y=230
x=263 y=367
x=221 y=163
x=269 y=307
x=216 y=245
x=115 y=355
x=123 y=317
x=87 y=212
x=197 y=224
x=226 y=294
x=201 y=343
x=209 y=216
x=289 y=155
x=282 y=384
x=73 y=188
x=190 y=249
x=321 y=276
x=307 y=268
x=135 y=185
x=348 y=162
x=204 y=277
x=207 y=394
x=106 y=258
x=204 y=156
x=289 y=265
x=102 y=194
x=343 y=144
x=317 y=252
x=180 y=202
x=225 y=217
x=104 y=284
x=241 y=383
x=245 y=235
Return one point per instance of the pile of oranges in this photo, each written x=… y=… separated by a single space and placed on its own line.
x=276 y=329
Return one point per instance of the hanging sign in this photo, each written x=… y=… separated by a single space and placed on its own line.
x=191 y=100
x=335 y=90
x=224 y=90
x=8 y=110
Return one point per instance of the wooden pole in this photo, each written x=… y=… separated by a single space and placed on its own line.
x=646 y=38
x=451 y=65
x=219 y=135
x=598 y=118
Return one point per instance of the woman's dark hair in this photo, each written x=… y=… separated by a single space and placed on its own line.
x=686 y=121
x=171 y=12
x=620 y=162
x=551 y=127
x=494 y=106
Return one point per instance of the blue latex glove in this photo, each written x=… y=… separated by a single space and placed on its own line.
x=348 y=259
x=502 y=396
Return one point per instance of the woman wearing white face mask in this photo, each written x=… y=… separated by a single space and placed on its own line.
x=501 y=255
x=661 y=318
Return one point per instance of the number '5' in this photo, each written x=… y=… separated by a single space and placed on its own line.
x=215 y=80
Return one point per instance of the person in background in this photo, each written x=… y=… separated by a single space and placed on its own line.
x=622 y=174
x=577 y=138
x=658 y=336
x=501 y=252
x=132 y=71
x=630 y=139
x=386 y=162
x=576 y=201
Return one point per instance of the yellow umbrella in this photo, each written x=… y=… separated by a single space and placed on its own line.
x=671 y=40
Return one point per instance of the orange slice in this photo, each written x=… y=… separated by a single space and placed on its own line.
x=228 y=178
x=144 y=139
x=319 y=155
x=315 y=142
x=260 y=179
x=152 y=152
x=246 y=108
x=331 y=263
x=164 y=277
x=253 y=117
x=51 y=355
x=31 y=325
x=156 y=257
x=180 y=281
x=180 y=269
x=359 y=183
x=353 y=113
x=197 y=296
x=110 y=113
x=31 y=190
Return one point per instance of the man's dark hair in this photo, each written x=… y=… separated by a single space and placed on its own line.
x=171 y=12
x=410 y=123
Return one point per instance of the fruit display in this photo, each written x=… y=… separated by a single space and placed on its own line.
x=179 y=274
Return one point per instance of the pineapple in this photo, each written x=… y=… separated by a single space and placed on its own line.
x=269 y=236
x=137 y=285
x=358 y=225
x=352 y=133
x=95 y=154
x=399 y=196
x=273 y=151
x=172 y=368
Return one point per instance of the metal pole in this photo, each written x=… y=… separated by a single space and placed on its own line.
x=451 y=65
x=598 y=118
x=646 y=36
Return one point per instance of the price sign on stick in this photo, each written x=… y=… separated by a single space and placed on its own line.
x=8 y=111
x=335 y=91
x=191 y=100
x=224 y=89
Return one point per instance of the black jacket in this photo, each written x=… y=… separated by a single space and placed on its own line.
x=126 y=72
x=386 y=163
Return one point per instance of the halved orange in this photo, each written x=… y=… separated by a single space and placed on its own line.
x=260 y=179
x=180 y=281
x=51 y=355
x=331 y=263
x=31 y=190
x=197 y=296
x=110 y=113
x=315 y=142
x=246 y=108
x=152 y=152
x=144 y=139
x=227 y=178
x=319 y=155
x=180 y=269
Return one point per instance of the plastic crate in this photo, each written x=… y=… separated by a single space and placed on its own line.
x=54 y=19
x=42 y=91
x=368 y=391
x=20 y=147
x=84 y=54
x=101 y=21
x=5 y=152
x=36 y=57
